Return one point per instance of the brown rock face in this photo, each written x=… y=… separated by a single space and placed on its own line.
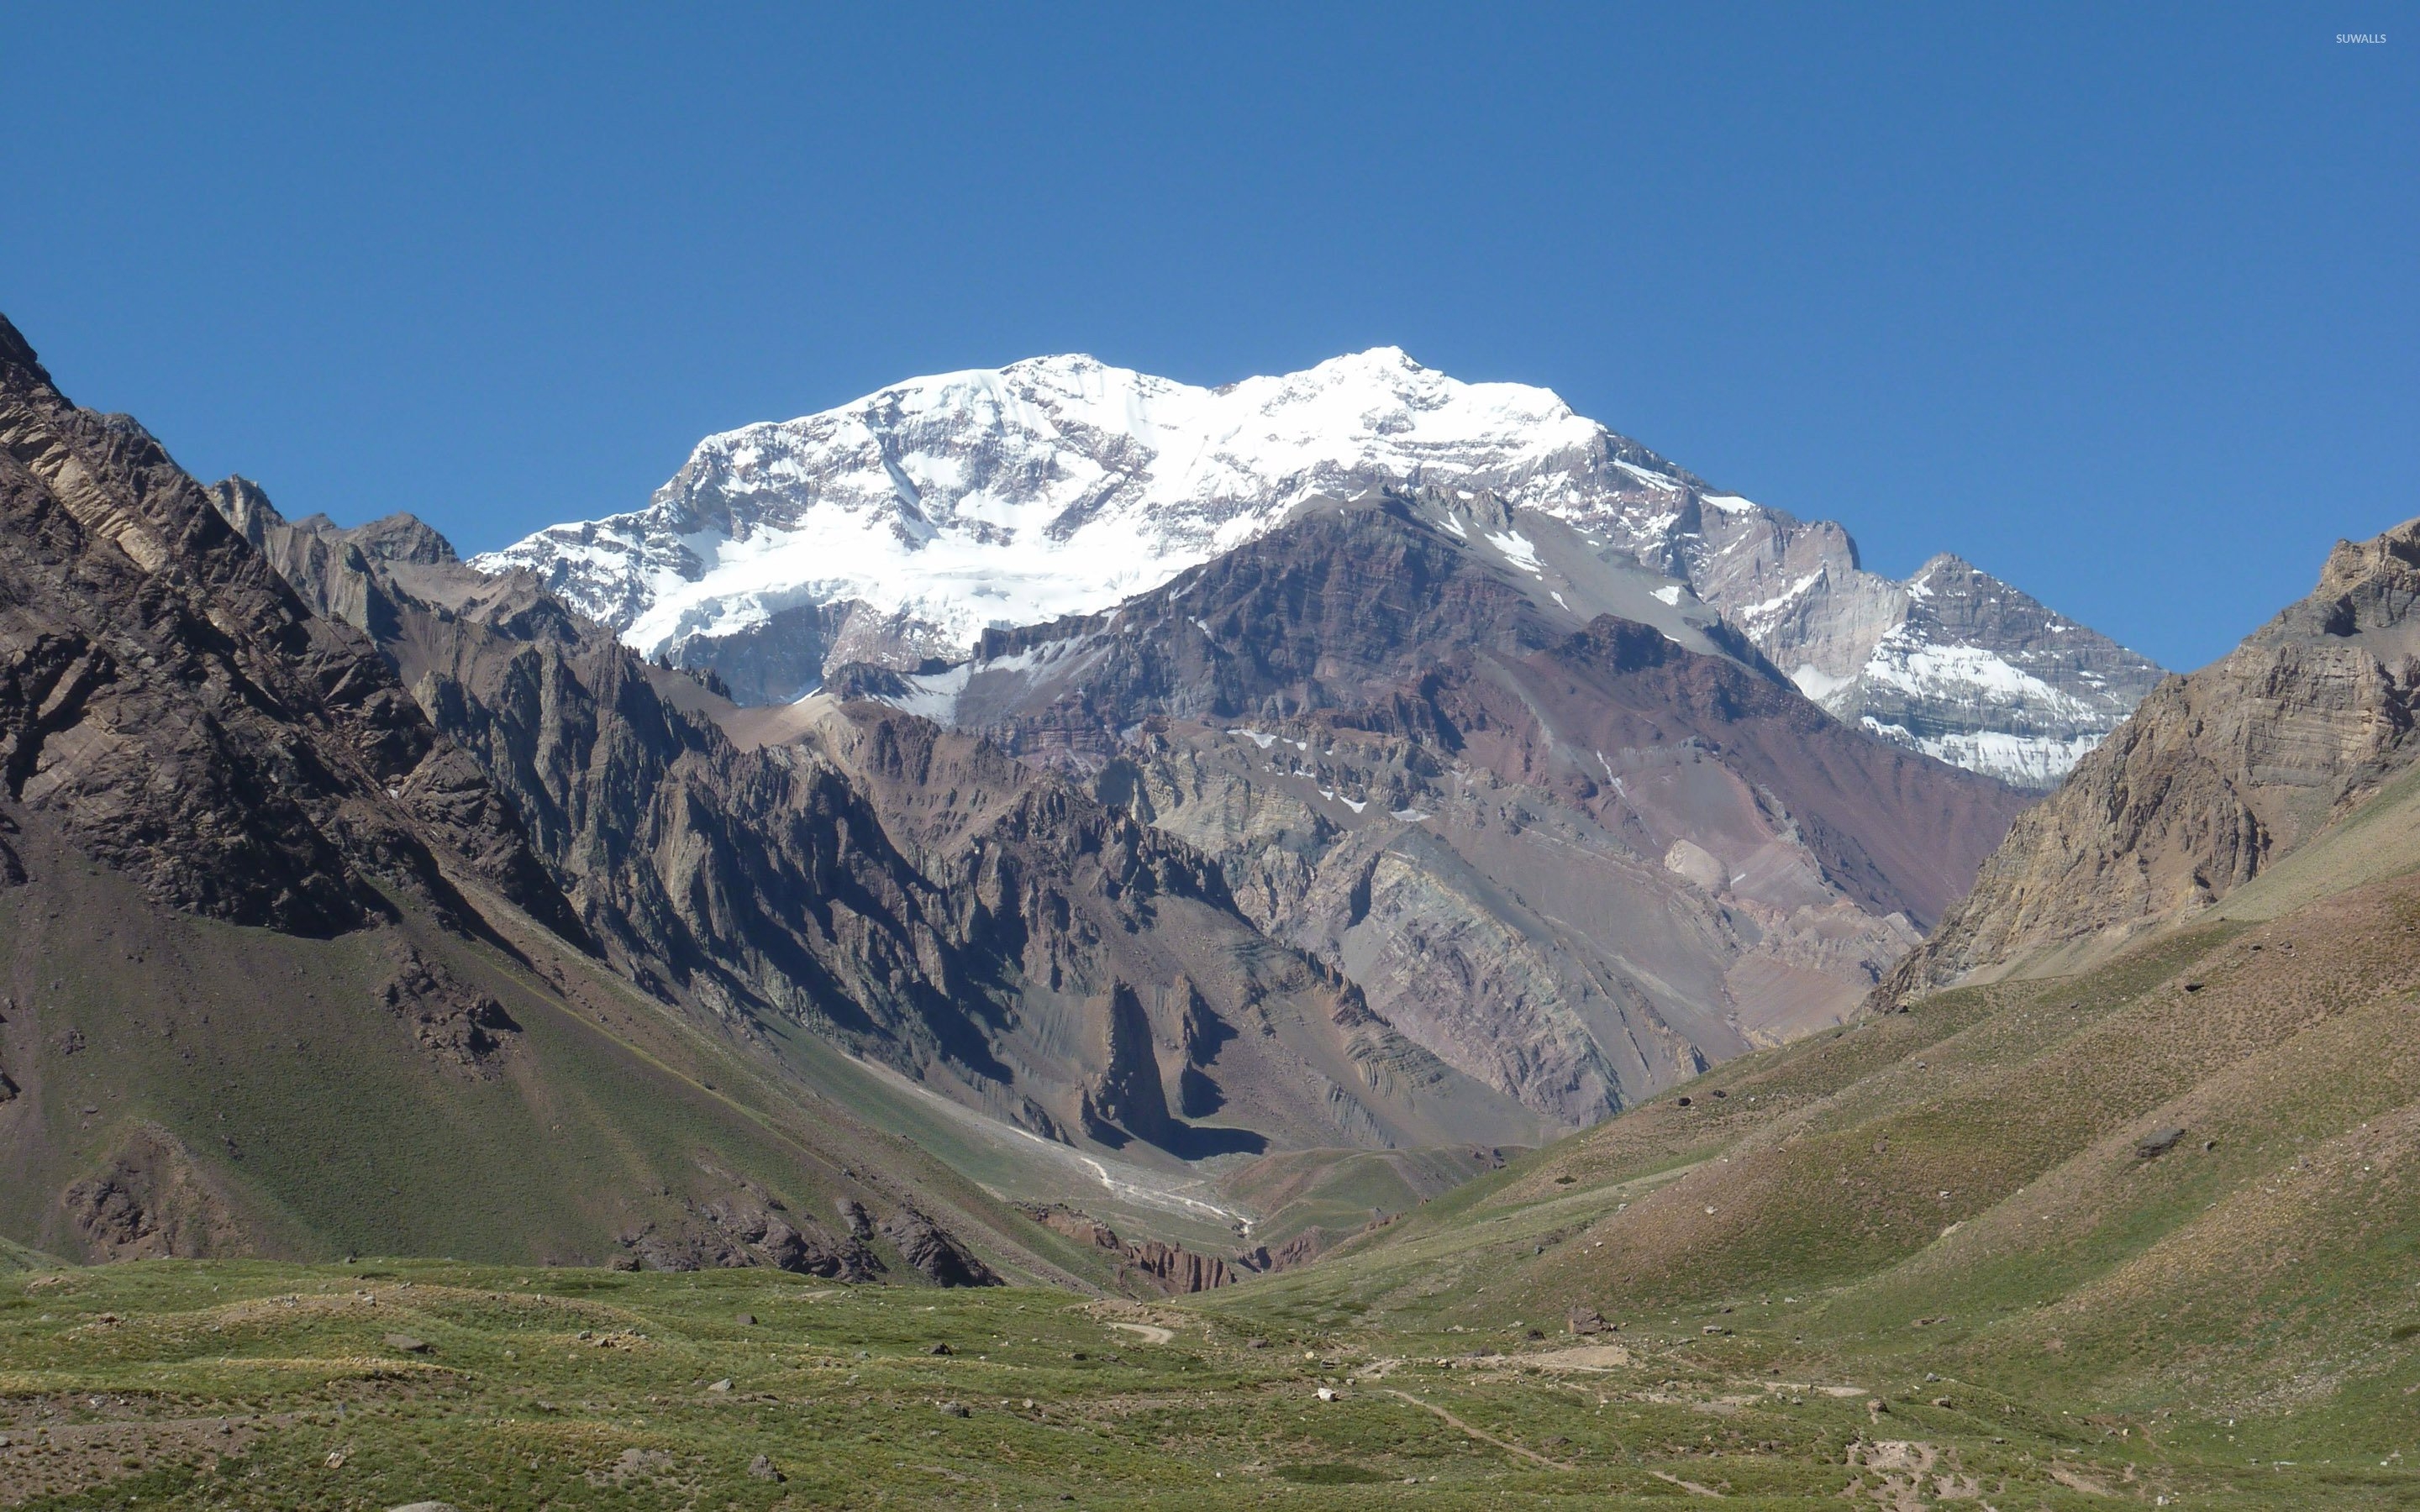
x=1180 y=1270
x=167 y=700
x=936 y=1251
x=151 y=1201
x=917 y=895
x=449 y=1021
x=2215 y=778
x=1167 y=1268
x=743 y=1225
x=1574 y=856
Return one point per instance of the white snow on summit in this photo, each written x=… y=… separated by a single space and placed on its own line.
x=1053 y=487
x=904 y=524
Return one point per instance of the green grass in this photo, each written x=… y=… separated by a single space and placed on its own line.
x=1940 y=1211
x=271 y=1104
x=254 y=1385
x=15 y=1256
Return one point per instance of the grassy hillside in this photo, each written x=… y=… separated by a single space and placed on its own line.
x=2178 y=1193
x=247 y=1386
x=194 y=1088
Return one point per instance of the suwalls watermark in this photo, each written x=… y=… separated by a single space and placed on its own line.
x=2361 y=38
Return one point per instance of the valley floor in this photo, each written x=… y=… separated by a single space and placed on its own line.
x=375 y=1386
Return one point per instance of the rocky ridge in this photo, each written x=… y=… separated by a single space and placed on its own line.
x=2214 y=778
x=169 y=701
x=282 y=971
x=901 y=527
x=914 y=895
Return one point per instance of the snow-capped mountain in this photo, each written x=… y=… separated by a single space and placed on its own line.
x=900 y=527
x=1952 y=662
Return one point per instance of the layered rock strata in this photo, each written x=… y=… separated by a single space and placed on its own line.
x=1577 y=839
x=2212 y=780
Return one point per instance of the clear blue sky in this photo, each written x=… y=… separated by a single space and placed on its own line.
x=2118 y=302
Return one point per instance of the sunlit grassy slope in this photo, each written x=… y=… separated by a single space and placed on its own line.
x=248 y=1385
x=2178 y=1190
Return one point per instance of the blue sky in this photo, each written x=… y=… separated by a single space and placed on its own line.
x=2118 y=303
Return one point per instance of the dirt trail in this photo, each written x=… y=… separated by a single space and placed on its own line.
x=1152 y=1333
x=1584 y=1357
x=1484 y=1437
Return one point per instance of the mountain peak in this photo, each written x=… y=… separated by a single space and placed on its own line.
x=903 y=526
x=1379 y=360
x=2352 y=565
x=17 y=354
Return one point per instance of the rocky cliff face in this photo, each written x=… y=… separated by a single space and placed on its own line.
x=1574 y=855
x=2215 y=778
x=1162 y=1267
x=281 y=970
x=166 y=700
x=915 y=895
x=902 y=527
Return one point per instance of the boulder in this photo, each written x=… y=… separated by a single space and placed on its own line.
x=2158 y=1142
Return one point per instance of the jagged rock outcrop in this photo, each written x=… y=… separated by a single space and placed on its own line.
x=1301 y=1249
x=935 y=1252
x=1177 y=1270
x=169 y=701
x=918 y=896
x=448 y=1020
x=1125 y=1098
x=742 y=1225
x=1152 y=1264
x=151 y=1201
x=2215 y=778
